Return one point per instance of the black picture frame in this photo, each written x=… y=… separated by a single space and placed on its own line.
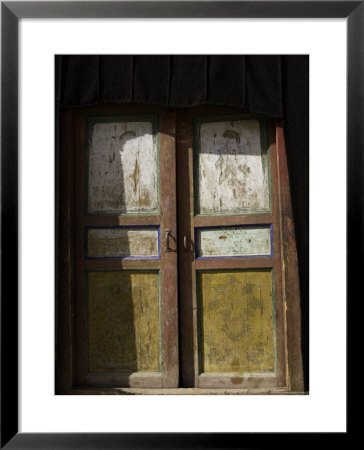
x=11 y=12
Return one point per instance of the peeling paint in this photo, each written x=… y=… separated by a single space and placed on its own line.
x=232 y=176
x=123 y=170
x=236 y=323
x=234 y=241
x=123 y=321
x=122 y=242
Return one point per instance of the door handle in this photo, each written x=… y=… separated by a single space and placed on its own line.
x=185 y=237
x=166 y=240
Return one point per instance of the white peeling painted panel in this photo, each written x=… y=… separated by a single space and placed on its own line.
x=122 y=168
x=232 y=172
x=235 y=241
x=122 y=242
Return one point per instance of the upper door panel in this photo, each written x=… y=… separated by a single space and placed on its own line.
x=232 y=166
x=123 y=165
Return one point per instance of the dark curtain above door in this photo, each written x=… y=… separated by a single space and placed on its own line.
x=275 y=86
x=250 y=82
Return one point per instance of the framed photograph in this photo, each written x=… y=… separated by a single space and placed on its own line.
x=213 y=296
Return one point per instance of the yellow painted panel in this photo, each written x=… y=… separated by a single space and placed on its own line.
x=236 y=320
x=123 y=321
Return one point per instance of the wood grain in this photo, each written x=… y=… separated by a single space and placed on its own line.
x=290 y=273
x=234 y=263
x=238 y=219
x=186 y=257
x=169 y=294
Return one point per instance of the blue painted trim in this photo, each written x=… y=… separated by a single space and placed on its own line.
x=117 y=258
x=197 y=258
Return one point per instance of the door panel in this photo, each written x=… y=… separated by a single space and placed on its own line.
x=126 y=280
x=123 y=242
x=236 y=325
x=123 y=170
x=123 y=321
x=233 y=241
x=231 y=166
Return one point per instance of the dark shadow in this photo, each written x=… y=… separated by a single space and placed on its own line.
x=109 y=242
x=119 y=313
x=111 y=337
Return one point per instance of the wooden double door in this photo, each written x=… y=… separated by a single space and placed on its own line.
x=171 y=249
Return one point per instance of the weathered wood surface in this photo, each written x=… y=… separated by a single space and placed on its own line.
x=169 y=280
x=261 y=262
x=290 y=273
x=123 y=321
x=186 y=257
x=236 y=320
x=183 y=391
x=242 y=241
x=122 y=263
x=163 y=216
x=232 y=220
x=232 y=172
x=122 y=172
x=122 y=242
x=108 y=220
x=187 y=271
